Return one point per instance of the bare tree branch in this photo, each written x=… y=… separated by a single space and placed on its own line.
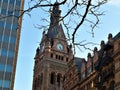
x=81 y=22
x=78 y=13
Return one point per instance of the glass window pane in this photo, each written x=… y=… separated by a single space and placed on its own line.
x=1 y=23
x=2 y=67
x=5 y=1
x=8 y=25
x=10 y=12
x=15 y=26
x=16 y=13
x=6 y=38
x=6 y=84
x=0 y=38
x=4 y=52
x=8 y=68
x=11 y=54
x=12 y=1
x=3 y=12
x=18 y=3
x=0 y=51
x=13 y=40
x=0 y=83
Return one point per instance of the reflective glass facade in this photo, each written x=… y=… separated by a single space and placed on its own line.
x=9 y=40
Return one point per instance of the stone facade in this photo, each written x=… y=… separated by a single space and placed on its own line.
x=116 y=56
x=52 y=56
x=56 y=69
x=100 y=71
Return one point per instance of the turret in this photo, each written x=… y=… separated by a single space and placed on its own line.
x=89 y=64
x=95 y=58
x=102 y=44
x=83 y=69
x=110 y=39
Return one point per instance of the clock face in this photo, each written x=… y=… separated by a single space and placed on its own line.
x=59 y=47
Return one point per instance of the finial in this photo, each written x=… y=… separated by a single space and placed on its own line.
x=70 y=46
x=110 y=39
x=95 y=49
x=55 y=15
x=37 y=51
x=89 y=55
x=109 y=36
x=43 y=32
x=102 y=44
x=56 y=6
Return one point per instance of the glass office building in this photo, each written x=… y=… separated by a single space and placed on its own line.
x=10 y=25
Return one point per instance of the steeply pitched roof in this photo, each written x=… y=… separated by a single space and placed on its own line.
x=56 y=32
x=78 y=63
x=55 y=29
x=117 y=36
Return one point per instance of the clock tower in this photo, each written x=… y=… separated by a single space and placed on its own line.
x=52 y=56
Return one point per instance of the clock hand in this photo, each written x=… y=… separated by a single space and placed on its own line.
x=60 y=47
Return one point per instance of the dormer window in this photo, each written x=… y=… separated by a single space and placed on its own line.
x=89 y=70
x=83 y=76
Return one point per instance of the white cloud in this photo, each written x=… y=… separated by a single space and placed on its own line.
x=114 y=2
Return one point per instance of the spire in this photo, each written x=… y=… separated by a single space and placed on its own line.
x=55 y=15
x=55 y=29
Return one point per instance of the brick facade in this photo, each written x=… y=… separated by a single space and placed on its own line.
x=56 y=69
x=100 y=71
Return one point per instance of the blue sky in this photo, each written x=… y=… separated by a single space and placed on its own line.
x=31 y=36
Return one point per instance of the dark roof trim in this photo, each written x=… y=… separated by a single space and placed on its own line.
x=117 y=36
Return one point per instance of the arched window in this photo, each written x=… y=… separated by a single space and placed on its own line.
x=59 y=77
x=64 y=78
x=52 y=78
x=41 y=80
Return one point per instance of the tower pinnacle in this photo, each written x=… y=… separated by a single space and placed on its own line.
x=55 y=15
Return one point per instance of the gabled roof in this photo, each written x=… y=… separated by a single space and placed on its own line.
x=55 y=29
x=89 y=62
x=117 y=36
x=56 y=32
x=78 y=63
